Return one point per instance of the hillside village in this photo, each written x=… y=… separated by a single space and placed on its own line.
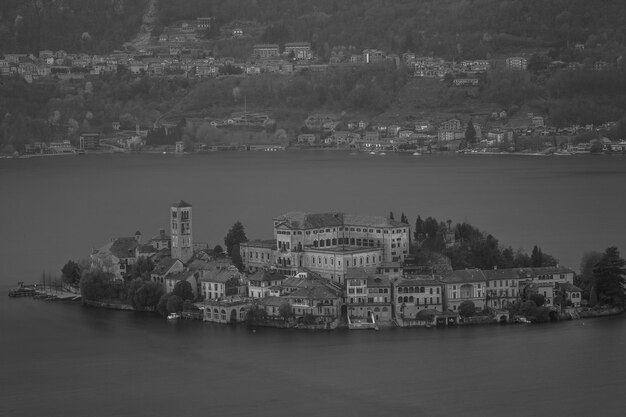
x=178 y=53
x=329 y=270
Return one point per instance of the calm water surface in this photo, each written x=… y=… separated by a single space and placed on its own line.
x=64 y=360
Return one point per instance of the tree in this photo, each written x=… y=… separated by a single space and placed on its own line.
x=71 y=273
x=183 y=290
x=256 y=315
x=218 y=250
x=235 y=236
x=95 y=284
x=538 y=299
x=285 y=311
x=232 y=286
x=419 y=227
x=162 y=304
x=610 y=275
x=174 y=304
x=236 y=258
x=536 y=257
x=470 y=133
x=142 y=268
x=467 y=308
x=586 y=279
x=403 y=219
x=529 y=308
x=144 y=294
x=391 y=215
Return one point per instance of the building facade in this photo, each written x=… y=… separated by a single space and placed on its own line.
x=329 y=243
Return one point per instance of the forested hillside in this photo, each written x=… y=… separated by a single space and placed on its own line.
x=446 y=28
x=545 y=31
x=90 y=26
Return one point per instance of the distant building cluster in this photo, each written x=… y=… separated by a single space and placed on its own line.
x=330 y=266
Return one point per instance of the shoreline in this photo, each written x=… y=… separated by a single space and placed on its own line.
x=578 y=313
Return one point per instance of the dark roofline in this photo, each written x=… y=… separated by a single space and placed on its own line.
x=181 y=204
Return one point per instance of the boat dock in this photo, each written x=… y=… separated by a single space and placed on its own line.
x=43 y=293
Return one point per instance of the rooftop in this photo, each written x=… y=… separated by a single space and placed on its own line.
x=301 y=220
x=181 y=204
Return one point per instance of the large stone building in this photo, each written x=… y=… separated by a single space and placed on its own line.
x=328 y=244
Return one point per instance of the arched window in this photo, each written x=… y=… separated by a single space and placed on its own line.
x=411 y=299
x=367 y=259
x=334 y=242
x=411 y=289
x=315 y=243
x=361 y=260
x=223 y=314
x=321 y=243
x=422 y=289
x=399 y=299
x=406 y=299
x=327 y=242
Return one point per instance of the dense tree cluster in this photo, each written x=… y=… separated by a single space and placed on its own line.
x=457 y=29
x=91 y=26
x=468 y=247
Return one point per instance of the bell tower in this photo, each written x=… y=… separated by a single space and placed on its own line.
x=182 y=238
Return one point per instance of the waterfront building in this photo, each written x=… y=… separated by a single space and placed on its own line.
x=464 y=285
x=310 y=294
x=226 y=311
x=181 y=231
x=502 y=286
x=369 y=294
x=89 y=140
x=214 y=283
x=545 y=280
x=413 y=294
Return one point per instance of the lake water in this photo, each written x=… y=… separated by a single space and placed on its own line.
x=63 y=360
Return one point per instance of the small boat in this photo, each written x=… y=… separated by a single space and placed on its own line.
x=416 y=154
x=173 y=316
